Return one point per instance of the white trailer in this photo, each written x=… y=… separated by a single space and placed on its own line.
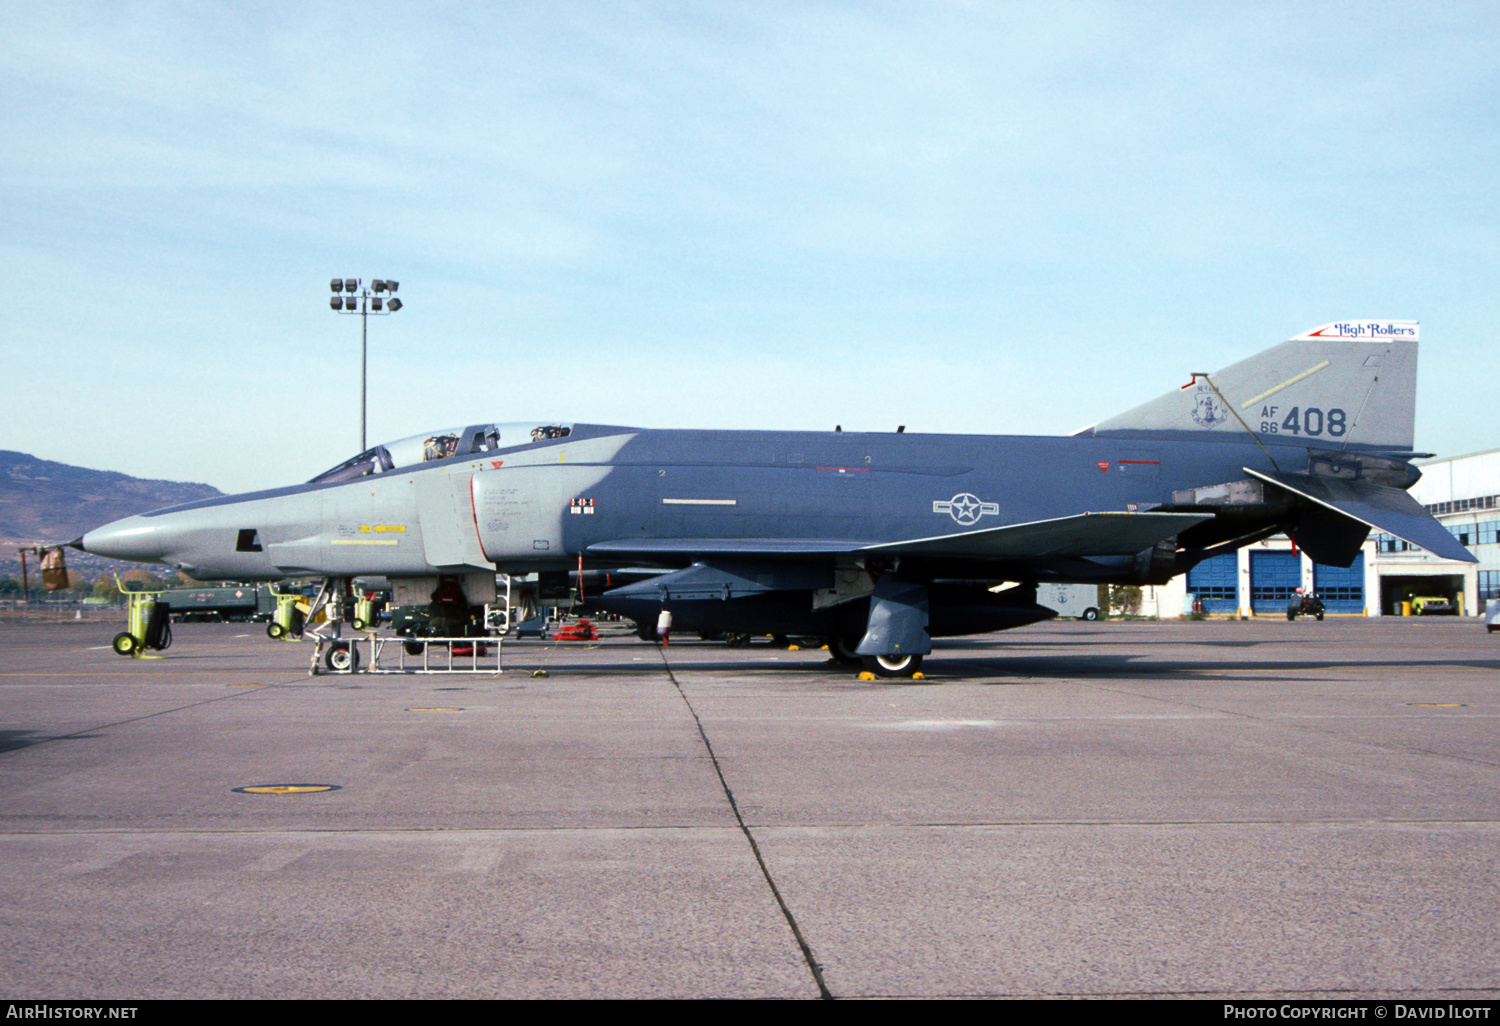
x=1077 y=600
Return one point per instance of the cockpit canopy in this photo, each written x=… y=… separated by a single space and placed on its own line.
x=441 y=445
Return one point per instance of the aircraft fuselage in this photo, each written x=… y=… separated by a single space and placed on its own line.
x=539 y=506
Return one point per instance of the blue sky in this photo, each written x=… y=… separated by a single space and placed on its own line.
x=961 y=217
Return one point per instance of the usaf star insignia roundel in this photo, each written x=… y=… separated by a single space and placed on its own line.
x=965 y=508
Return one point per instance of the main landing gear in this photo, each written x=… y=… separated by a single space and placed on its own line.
x=842 y=651
x=892 y=665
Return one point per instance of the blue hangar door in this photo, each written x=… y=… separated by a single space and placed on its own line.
x=1343 y=590
x=1274 y=579
x=1215 y=581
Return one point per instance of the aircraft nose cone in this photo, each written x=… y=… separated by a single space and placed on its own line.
x=133 y=538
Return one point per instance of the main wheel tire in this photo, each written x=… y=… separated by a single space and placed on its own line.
x=413 y=648
x=275 y=631
x=342 y=658
x=124 y=643
x=893 y=665
x=1091 y=614
x=1320 y=617
x=842 y=650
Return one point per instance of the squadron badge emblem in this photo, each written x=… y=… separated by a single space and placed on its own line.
x=1209 y=410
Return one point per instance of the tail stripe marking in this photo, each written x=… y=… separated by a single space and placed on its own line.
x=1289 y=381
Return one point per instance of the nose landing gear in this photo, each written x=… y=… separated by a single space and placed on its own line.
x=342 y=657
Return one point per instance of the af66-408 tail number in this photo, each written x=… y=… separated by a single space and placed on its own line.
x=1299 y=421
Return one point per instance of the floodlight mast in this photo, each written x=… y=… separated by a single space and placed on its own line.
x=351 y=297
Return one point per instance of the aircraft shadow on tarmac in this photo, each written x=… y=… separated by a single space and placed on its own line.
x=1133 y=666
x=952 y=665
x=14 y=740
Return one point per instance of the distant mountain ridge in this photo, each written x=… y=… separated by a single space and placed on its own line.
x=43 y=501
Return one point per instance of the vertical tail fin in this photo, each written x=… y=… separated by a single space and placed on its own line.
x=1341 y=384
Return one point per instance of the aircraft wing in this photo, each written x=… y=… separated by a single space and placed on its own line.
x=1088 y=534
x=1382 y=507
x=726 y=579
x=682 y=548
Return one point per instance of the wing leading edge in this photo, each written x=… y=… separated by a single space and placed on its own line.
x=1087 y=534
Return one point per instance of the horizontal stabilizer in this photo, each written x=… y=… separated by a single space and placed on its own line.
x=1088 y=534
x=1380 y=506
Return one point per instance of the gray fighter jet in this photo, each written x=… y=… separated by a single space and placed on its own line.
x=876 y=542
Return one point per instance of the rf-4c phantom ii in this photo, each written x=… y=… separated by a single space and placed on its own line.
x=876 y=542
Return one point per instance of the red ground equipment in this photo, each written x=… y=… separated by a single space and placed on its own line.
x=583 y=630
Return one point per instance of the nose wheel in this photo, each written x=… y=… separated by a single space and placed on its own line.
x=342 y=657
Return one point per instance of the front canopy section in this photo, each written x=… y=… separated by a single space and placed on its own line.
x=444 y=444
